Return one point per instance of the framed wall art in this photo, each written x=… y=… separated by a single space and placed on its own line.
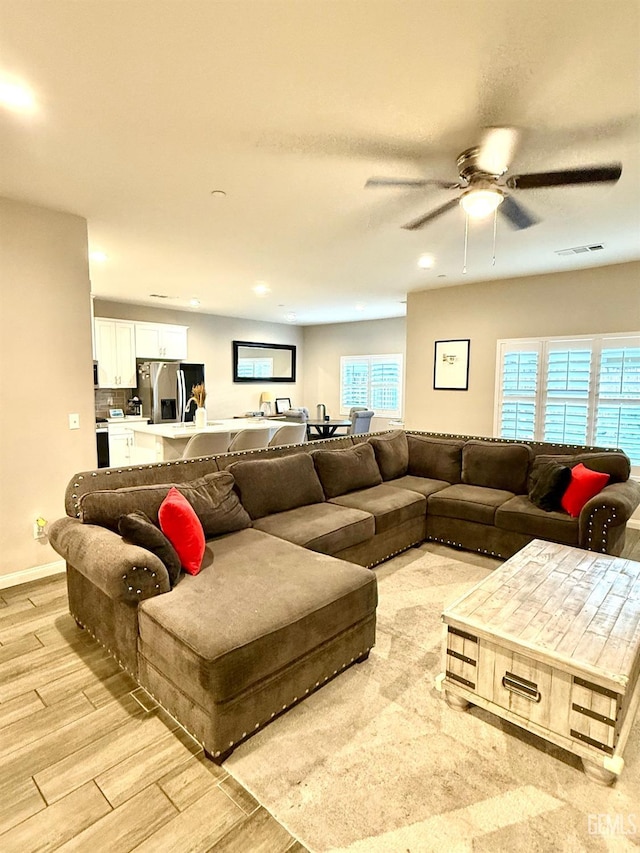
x=451 y=365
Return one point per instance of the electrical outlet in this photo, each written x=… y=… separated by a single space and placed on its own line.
x=40 y=528
x=74 y=421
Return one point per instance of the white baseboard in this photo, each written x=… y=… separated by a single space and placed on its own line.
x=32 y=574
x=634 y=523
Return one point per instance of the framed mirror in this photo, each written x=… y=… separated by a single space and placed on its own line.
x=256 y=362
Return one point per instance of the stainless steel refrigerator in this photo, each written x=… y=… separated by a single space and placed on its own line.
x=165 y=387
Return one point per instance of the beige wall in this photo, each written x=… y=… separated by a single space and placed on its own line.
x=209 y=342
x=45 y=373
x=323 y=346
x=599 y=300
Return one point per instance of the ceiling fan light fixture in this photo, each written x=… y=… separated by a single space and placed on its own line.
x=480 y=203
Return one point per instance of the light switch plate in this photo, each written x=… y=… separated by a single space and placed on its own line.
x=74 y=421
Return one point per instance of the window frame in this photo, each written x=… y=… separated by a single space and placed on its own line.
x=594 y=398
x=395 y=358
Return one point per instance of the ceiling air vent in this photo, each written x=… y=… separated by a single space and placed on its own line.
x=161 y=296
x=581 y=250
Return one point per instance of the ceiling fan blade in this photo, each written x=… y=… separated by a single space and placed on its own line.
x=496 y=149
x=517 y=215
x=563 y=177
x=410 y=182
x=422 y=220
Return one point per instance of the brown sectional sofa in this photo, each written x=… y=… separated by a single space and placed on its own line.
x=285 y=604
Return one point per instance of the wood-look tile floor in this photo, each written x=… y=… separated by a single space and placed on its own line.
x=88 y=762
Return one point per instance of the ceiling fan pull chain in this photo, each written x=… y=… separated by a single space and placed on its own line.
x=466 y=241
x=495 y=227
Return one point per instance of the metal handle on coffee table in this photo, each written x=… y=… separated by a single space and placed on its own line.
x=526 y=689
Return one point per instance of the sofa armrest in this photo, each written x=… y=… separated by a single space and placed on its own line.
x=122 y=571
x=610 y=508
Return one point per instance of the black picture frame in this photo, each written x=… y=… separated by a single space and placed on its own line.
x=282 y=405
x=285 y=353
x=451 y=365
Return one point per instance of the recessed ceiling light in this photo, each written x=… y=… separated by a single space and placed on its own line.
x=291 y=317
x=359 y=306
x=425 y=262
x=261 y=288
x=218 y=193
x=16 y=96
x=194 y=302
x=98 y=256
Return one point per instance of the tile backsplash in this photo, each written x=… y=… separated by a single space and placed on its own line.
x=112 y=398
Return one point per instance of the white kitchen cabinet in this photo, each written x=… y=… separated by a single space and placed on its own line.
x=115 y=353
x=120 y=445
x=161 y=340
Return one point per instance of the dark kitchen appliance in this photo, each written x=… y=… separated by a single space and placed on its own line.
x=102 y=442
x=134 y=406
x=164 y=388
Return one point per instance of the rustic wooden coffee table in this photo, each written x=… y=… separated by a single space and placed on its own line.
x=551 y=642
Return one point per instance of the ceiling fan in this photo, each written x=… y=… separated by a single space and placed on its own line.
x=481 y=170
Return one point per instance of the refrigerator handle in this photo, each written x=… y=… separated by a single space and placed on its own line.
x=182 y=395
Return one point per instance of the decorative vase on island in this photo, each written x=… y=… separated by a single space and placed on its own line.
x=201 y=418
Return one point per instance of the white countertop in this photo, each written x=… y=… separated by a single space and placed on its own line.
x=127 y=418
x=231 y=425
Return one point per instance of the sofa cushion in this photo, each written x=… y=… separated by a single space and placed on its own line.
x=585 y=484
x=182 y=527
x=547 y=485
x=468 y=503
x=343 y=471
x=138 y=529
x=392 y=454
x=435 y=458
x=267 y=486
x=496 y=465
x=212 y=497
x=276 y=601
x=520 y=515
x=422 y=485
x=615 y=463
x=389 y=506
x=321 y=527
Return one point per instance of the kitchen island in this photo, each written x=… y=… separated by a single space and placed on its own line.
x=165 y=442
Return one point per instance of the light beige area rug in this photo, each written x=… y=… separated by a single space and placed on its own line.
x=376 y=762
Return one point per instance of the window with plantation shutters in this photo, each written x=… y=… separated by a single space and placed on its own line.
x=578 y=390
x=372 y=381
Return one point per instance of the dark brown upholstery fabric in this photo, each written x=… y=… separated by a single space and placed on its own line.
x=321 y=527
x=422 y=485
x=469 y=503
x=392 y=454
x=520 y=515
x=390 y=507
x=496 y=465
x=343 y=471
x=616 y=464
x=212 y=497
x=435 y=458
x=267 y=486
x=273 y=614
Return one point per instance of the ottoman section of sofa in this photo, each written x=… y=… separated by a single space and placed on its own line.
x=322 y=527
x=261 y=605
x=389 y=506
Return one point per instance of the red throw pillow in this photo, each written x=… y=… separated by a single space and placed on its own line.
x=181 y=526
x=584 y=484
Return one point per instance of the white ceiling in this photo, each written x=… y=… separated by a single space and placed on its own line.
x=145 y=106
